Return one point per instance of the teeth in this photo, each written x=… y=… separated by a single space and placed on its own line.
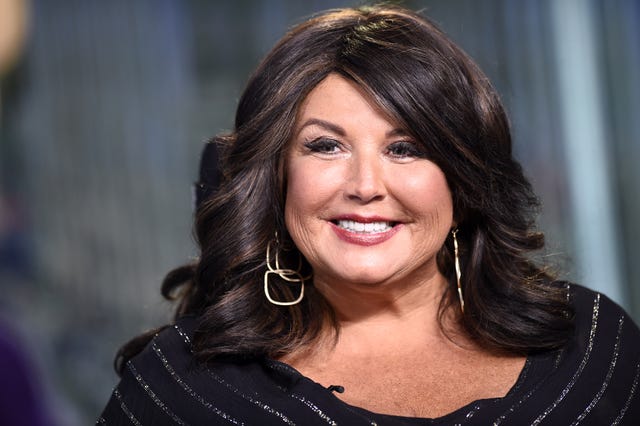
x=364 y=228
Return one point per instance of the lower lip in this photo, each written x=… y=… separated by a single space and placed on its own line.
x=364 y=239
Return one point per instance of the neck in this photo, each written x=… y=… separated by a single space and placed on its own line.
x=388 y=305
x=383 y=319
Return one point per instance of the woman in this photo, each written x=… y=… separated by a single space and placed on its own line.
x=365 y=259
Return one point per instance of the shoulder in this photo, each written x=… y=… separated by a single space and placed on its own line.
x=601 y=322
x=601 y=365
x=165 y=384
x=604 y=333
x=153 y=378
x=594 y=378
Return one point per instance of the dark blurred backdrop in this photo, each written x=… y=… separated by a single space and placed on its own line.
x=105 y=107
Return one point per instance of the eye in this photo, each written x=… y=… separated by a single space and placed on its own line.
x=405 y=149
x=323 y=145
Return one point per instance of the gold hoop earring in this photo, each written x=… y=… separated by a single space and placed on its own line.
x=286 y=274
x=457 y=267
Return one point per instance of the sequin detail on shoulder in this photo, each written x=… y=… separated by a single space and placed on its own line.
x=188 y=390
x=632 y=393
x=583 y=363
x=256 y=401
x=125 y=409
x=153 y=396
x=603 y=388
x=182 y=334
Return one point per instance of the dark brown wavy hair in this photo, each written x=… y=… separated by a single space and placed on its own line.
x=428 y=85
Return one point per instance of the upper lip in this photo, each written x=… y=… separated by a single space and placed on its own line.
x=362 y=219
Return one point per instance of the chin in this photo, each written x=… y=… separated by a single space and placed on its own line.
x=366 y=278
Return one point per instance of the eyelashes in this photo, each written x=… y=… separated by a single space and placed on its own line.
x=323 y=145
x=406 y=149
x=402 y=149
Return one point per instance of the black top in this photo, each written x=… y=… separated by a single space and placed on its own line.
x=591 y=381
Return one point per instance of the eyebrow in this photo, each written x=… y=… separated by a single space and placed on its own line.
x=324 y=124
x=340 y=131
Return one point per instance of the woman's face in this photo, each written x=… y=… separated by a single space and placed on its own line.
x=363 y=203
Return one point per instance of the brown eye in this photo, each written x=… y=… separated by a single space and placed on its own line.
x=405 y=149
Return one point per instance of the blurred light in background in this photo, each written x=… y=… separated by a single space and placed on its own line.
x=105 y=115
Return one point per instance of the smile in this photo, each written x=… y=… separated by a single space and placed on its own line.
x=364 y=231
x=364 y=228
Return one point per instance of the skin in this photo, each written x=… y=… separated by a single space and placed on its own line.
x=347 y=159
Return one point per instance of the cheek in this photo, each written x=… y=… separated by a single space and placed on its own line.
x=298 y=196
x=305 y=197
x=310 y=187
x=308 y=196
x=427 y=194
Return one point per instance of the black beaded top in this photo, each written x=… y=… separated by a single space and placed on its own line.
x=591 y=381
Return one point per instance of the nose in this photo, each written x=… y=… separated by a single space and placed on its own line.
x=366 y=181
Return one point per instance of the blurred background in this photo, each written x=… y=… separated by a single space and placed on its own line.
x=105 y=107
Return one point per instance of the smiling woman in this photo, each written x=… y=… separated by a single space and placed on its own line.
x=371 y=237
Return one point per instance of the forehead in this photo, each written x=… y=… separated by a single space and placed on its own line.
x=340 y=98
